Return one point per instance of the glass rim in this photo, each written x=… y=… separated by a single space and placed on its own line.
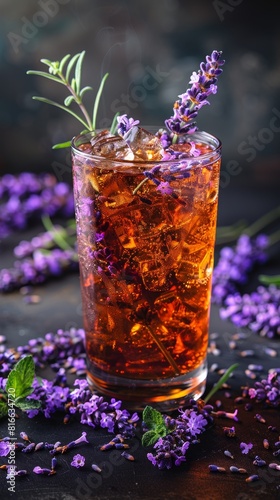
x=208 y=139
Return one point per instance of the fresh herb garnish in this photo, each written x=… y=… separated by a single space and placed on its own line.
x=155 y=421
x=71 y=79
x=19 y=386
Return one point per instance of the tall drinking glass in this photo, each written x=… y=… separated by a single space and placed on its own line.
x=146 y=234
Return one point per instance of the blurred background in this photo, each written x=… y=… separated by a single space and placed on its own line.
x=141 y=41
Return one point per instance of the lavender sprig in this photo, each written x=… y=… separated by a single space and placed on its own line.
x=203 y=84
x=43 y=265
x=235 y=264
x=26 y=197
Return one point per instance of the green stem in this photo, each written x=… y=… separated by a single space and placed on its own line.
x=226 y=234
x=220 y=382
x=97 y=100
x=113 y=129
x=263 y=221
x=270 y=280
x=140 y=185
x=78 y=100
x=274 y=237
x=56 y=235
x=164 y=351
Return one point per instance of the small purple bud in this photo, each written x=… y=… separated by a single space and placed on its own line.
x=252 y=478
x=29 y=448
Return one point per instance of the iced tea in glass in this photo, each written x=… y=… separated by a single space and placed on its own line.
x=146 y=231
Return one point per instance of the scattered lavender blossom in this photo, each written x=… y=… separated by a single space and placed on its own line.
x=4 y=448
x=267 y=390
x=78 y=461
x=245 y=447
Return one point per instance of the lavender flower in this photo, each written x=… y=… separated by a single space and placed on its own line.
x=125 y=124
x=235 y=264
x=259 y=311
x=171 y=449
x=4 y=448
x=37 y=269
x=96 y=412
x=267 y=390
x=246 y=447
x=203 y=83
x=78 y=461
x=27 y=196
x=44 y=471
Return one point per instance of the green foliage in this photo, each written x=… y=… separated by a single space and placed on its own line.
x=270 y=280
x=154 y=421
x=19 y=386
x=68 y=72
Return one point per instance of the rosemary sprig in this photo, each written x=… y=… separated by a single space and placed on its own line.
x=71 y=79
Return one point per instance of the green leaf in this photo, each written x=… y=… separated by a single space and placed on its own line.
x=54 y=68
x=150 y=438
x=20 y=379
x=3 y=409
x=27 y=404
x=46 y=61
x=45 y=75
x=270 y=280
x=97 y=99
x=62 y=62
x=68 y=100
x=78 y=71
x=113 y=129
x=57 y=236
x=70 y=66
x=85 y=89
x=62 y=145
x=53 y=103
x=74 y=85
x=152 y=418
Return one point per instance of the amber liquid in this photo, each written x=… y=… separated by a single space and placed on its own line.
x=146 y=262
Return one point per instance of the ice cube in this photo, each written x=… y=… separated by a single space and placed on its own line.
x=116 y=195
x=154 y=272
x=171 y=309
x=112 y=147
x=145 y=146
x=104 y=134
x=199 y=266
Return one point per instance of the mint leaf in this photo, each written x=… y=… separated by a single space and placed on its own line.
x=3 y=409
x=156 y=425
x=149 y=438
x=20 y=379
x=152 y=418
x=27 y=404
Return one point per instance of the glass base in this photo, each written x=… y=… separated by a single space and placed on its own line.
x=165 y=395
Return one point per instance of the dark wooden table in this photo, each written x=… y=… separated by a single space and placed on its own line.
x=60 y=307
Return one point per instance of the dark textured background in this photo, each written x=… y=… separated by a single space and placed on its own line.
x=131 y=40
